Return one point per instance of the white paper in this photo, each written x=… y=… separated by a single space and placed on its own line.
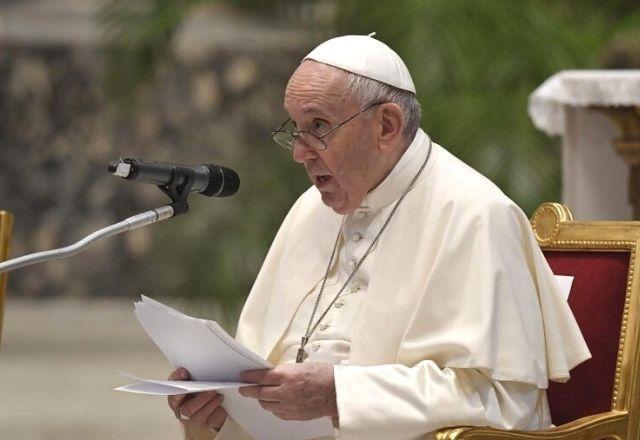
x=215 y=361
x=565 y=282
x=198 y=345
x=173 y=387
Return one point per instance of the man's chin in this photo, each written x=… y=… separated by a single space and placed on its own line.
x=335 y=202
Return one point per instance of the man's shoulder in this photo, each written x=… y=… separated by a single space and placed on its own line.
x=453 y=181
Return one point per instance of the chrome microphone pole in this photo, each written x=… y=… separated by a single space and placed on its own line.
x=129 y=224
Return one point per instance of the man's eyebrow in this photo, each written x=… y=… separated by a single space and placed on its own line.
x=311 y=108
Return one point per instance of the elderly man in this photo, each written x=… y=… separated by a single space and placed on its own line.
x=404 y=291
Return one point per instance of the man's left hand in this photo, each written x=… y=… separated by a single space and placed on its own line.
x=294 y=391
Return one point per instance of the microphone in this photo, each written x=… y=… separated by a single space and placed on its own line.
x=209 y=180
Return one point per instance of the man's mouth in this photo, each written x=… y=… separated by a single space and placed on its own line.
x=321 y=181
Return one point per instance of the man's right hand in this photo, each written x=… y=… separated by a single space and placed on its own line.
x=197 y=411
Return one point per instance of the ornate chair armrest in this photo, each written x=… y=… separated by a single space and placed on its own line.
x=611 y=424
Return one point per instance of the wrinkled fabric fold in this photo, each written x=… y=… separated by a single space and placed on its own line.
x=403 y=403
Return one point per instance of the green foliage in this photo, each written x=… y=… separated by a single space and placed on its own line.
x=137 y=35
x=476 y=62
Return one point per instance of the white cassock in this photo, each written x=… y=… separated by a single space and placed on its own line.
x=454 y=318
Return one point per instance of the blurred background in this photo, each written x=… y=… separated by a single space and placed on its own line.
x=83 y=82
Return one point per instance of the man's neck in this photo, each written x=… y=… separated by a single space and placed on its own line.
x=391 y=162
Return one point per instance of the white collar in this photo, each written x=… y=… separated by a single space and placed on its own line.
x=400 y=176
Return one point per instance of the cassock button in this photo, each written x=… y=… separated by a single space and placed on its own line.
x=356 y=236
x=323 y=327
x=339 y=304
x=315 y=347
x=361 y=214
x=355 y=288
x=352 y=263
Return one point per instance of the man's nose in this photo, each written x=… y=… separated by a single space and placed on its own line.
x=302 y=152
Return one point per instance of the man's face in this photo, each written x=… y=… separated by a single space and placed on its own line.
x=316 y=101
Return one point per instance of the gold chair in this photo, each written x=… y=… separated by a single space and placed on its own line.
x=602 y=398
x=6 y=222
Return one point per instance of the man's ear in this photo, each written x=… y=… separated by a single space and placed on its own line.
x=391 y=126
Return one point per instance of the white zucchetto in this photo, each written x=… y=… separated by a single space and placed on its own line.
x=365 y=56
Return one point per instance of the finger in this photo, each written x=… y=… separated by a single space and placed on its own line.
x=252 y=391
x=179 y=374
x=200 y=417
x=176 y=401
x=253 y=376
x=287 y=416
x=193 y=405
x=217 y=418
x=263 y=377
x=270 y=394
x=273 y=407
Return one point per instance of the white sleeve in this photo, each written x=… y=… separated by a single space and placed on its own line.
x=400 y=402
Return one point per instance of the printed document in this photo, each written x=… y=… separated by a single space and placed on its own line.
x=215 y=361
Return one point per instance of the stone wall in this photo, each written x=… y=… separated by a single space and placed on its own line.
x=59 y=129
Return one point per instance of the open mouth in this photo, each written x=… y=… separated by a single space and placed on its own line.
x=321 y=181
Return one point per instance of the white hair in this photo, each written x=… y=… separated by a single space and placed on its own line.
x=369 y=91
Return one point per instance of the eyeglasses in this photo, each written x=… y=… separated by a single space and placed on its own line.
x=287 y=133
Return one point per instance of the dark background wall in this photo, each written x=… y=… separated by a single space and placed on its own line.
x=60 y=128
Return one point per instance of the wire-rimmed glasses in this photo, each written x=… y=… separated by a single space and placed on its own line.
x=287 y=133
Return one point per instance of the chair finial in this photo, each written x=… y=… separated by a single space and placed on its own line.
x=546 y=221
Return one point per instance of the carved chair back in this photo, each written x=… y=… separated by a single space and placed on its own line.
x=604 y=297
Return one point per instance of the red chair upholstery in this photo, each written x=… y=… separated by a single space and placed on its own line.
x=597 y=300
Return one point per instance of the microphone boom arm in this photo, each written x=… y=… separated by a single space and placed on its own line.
x=129 y=224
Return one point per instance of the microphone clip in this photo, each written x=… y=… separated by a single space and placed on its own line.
x=179 y=192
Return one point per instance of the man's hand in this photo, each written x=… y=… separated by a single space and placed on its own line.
x=294 y=391
x=199 y=410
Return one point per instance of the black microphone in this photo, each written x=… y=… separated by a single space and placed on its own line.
x=209 y=180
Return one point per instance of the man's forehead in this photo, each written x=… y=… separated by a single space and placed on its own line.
x=316 y=87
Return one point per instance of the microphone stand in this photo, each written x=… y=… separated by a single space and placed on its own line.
x=176 y=191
